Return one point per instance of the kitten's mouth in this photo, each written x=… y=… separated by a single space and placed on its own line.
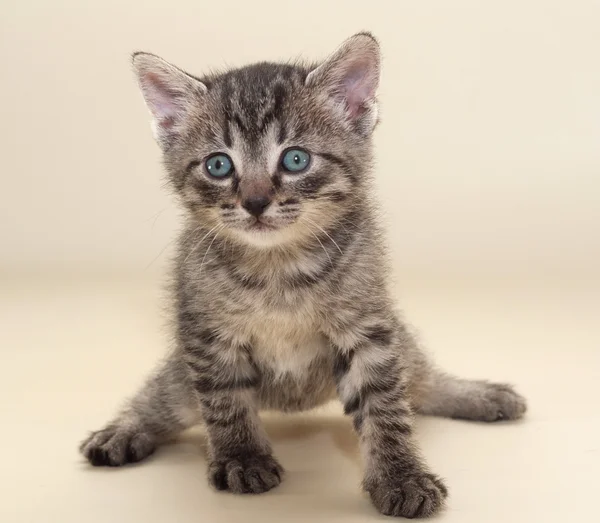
x=262 y=226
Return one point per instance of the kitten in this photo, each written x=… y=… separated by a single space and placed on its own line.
x=281 y=295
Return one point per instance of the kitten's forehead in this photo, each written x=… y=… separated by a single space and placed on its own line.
x=255 y=99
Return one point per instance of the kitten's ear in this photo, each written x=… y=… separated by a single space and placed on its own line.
x=169 y=93
x=350 y=77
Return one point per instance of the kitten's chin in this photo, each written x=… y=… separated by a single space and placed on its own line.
x=265 y=236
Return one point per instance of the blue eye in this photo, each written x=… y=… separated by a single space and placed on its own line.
x=219 y=165
x=295 y=160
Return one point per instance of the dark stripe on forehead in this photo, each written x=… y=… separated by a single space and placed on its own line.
x=282 y=132
x=241 y=125
x=300 y=128
x=280 y=94
x=226 y=94
x=227 y=139
x=275 y=111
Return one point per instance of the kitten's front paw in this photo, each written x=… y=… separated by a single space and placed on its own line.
x=115 y=446
x=414 y=495
x=251 y=474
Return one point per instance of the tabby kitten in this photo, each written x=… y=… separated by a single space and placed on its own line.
x=281 y=295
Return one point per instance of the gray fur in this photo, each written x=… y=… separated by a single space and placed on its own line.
x=291 y=317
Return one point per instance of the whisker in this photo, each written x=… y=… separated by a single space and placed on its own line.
x=209 y=246
x=322 y=246
x=325 y=233
x=168 y=245
x=200 y=243
x=342 y=221
x=155 y=217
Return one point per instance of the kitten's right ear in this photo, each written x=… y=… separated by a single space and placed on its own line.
x=169 y=93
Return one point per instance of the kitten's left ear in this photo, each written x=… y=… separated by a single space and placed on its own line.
x=169 y=94
x=350 y=77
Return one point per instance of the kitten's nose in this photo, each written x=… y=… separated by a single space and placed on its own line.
x=256 y=205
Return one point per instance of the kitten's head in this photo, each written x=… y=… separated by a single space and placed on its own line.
x=268 y=153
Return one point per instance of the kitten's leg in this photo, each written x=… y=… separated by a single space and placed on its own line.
x=440 y=394
x=241 y=459
x=159 y=411
x=225 y=380
x=372 y=380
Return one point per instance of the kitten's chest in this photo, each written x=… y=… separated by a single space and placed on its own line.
x=286 y=340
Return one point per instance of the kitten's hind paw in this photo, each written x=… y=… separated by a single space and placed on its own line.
x=115 y=446
x=499 y=402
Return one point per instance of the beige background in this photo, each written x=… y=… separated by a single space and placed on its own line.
x=488 y=151
x=489 y=174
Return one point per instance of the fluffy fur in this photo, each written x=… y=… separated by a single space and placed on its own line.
x=289 y=310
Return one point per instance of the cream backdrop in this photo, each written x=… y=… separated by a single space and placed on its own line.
x=488 y=149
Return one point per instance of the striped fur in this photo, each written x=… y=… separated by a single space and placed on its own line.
x=295 y=316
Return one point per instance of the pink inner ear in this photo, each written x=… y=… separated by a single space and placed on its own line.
x=359 y=84
x=163 y=102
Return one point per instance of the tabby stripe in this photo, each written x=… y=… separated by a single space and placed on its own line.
x=207 y=384
x=341 y=364
x=379 y=335
x=346 y=167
